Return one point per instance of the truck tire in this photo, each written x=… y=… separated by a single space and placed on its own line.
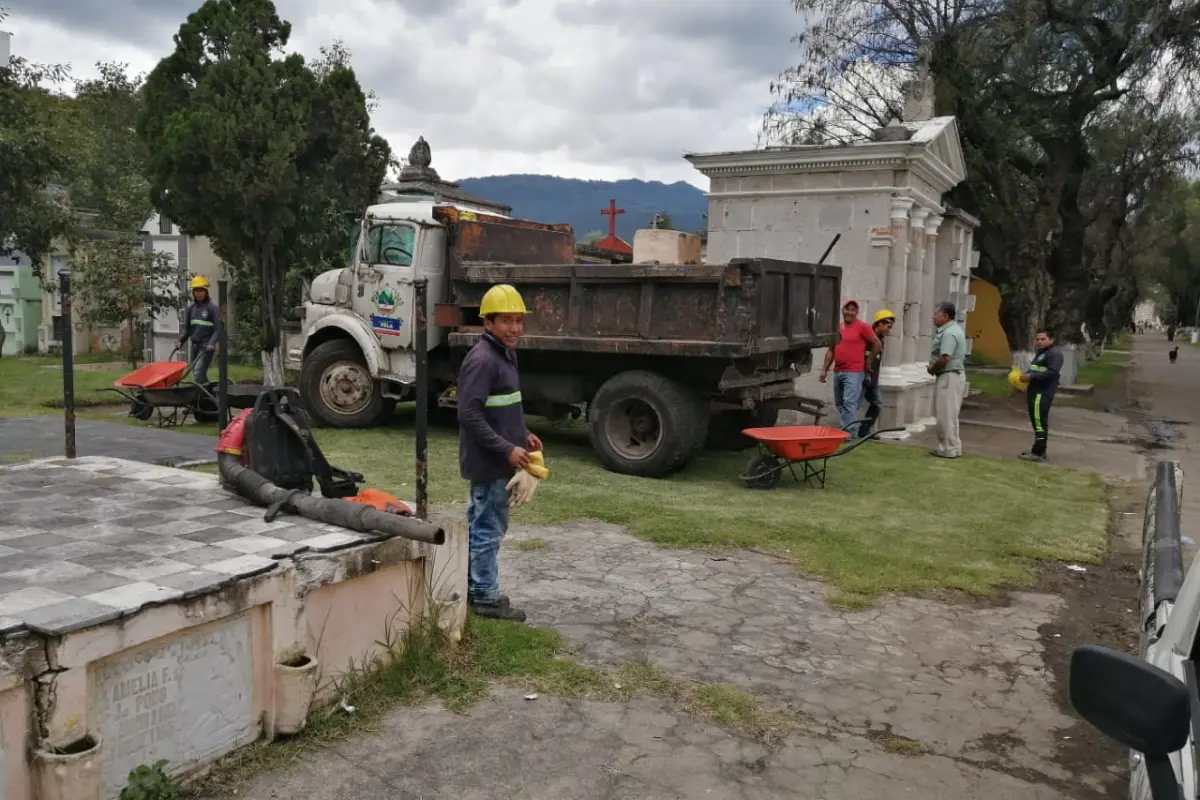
x=645 y=424
x=725 y=428
x=338 y=389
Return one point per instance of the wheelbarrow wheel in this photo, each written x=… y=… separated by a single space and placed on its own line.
x=763 y=472
x=139 y=409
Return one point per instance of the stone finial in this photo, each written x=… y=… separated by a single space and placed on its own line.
x=420 y=156
x=894 y=131
x=417 y=168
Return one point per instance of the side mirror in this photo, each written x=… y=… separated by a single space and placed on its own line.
x=1137 y=704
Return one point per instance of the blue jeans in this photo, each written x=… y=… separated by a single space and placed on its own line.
x=487 y=524
x=847 y=393
x=202 y=358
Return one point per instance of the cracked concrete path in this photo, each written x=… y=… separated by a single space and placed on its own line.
x=555 y=749
x=968 y=683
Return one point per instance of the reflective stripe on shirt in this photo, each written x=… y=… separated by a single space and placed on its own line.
x=503 y=400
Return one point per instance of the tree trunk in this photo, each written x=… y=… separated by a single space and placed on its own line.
x=271 y=275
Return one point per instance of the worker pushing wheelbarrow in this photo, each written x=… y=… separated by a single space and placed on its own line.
x=810 y=446
x=163 y=384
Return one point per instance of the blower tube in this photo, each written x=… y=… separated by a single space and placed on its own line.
x=356 y=517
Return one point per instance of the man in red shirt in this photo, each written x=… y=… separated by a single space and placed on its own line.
x=857 y=346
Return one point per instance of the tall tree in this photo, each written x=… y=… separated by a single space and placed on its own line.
x=32 y=159
x=251 y=147
x=1029 y=81
x=109 y=159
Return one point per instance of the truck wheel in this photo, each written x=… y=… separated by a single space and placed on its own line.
x=725 y=428
x=337 y=386
x=645 y=424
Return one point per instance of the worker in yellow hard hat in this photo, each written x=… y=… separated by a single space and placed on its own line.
x=494 y=445
x=203 y=327
x=882 y=326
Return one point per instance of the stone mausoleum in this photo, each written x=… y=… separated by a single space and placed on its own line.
x=901 y=247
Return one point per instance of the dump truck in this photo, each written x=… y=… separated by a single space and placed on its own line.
x=659 y=358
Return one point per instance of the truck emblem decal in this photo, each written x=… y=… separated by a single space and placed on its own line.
x=384 y=300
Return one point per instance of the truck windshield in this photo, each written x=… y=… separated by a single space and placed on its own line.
x=391 y=244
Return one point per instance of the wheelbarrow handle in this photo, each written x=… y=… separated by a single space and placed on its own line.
x=869 y=437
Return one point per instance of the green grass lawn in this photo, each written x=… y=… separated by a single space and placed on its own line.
x=1102 y=372
x=891 y=518
x=34 y=385
x=988 y=384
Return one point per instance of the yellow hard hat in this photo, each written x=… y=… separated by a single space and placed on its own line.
x=883 y=314
x=502 y=299
x=199 y=282
x=1015 y=378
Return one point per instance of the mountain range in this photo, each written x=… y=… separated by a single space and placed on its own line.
x=546 y=198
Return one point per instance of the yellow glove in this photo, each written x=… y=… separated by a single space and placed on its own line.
x=537 y=466
x=521 y=488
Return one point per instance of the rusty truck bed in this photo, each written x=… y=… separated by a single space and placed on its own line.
x=742 y=309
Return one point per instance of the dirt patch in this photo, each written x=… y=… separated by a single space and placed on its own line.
x=1101 y=608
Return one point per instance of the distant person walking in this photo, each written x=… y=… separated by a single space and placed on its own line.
x=883 y=322
x=203 y=328
x=1042 y=379
x=856 y=344
x=947 y=363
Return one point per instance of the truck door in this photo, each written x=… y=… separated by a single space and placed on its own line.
x=384 y=296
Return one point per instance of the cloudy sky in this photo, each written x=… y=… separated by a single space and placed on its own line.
x=600 y=89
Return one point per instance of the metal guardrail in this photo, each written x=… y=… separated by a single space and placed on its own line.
x=1162 y=551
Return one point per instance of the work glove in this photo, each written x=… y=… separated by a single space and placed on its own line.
x=521 y=488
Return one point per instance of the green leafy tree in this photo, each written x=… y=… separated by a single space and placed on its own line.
x=122 y=286
x=32 y=159
x=108 y=159
x=250 y=146
x=592 y=237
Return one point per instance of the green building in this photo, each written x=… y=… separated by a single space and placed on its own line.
x=20 y=306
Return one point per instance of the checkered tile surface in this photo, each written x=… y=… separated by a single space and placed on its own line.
x=86 y=541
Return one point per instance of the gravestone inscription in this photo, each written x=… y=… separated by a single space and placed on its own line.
x=186 y=700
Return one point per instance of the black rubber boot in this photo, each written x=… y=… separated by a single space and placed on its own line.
x=501 y=609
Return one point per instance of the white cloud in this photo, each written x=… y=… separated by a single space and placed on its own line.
x=600 y=89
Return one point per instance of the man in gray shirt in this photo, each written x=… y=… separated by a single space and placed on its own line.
x=947 y=363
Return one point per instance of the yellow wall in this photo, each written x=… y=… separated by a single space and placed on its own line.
x=983 y=324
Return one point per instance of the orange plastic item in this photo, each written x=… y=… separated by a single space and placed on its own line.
x=159 y=375
x=800 y=442
x=382 y=501
x=234 y=435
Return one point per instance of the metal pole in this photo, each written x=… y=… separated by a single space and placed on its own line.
x=420 y=347
x=68 y=365
x=223 y=357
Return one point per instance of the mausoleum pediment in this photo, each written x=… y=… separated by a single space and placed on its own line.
x=932 y=149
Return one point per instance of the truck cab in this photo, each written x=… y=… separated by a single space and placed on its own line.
x=356 y=356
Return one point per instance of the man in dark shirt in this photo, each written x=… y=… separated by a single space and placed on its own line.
x=203 y=327
x=1042 y=380
x=884 y=320
x=493 y=443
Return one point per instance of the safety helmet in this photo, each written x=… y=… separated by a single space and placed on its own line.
x=881 y=315
x=199 y=282
x=502 y=299
x=1015 y=378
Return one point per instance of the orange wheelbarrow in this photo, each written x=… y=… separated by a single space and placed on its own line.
x=810 y=446
x=162 y=385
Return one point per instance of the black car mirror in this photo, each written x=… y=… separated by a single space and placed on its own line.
x=1130 y=700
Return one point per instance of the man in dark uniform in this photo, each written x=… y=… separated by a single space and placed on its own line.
x=493 y=445
x=1042 y=383
x=883 y=322
x=203 y=327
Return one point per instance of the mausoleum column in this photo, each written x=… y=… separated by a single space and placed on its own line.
x=895 y=289
x=929 y=286
x=913 y=295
